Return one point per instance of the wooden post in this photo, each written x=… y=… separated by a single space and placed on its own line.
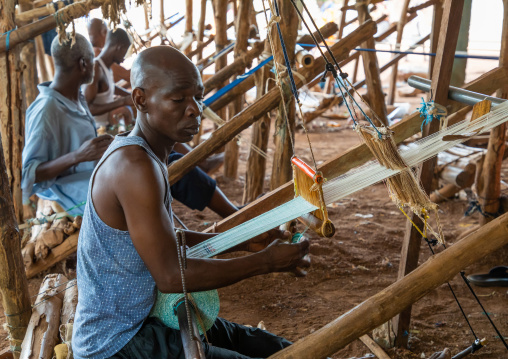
x=242 y=35
x=440 y=82
x=285 y=121
x=379 y=308
x=12 y=124
x=201 y=28
x=400 y=29
x=256 y=163
x=370 y=65
x=188 y=21
x=434 y=37
x=28 y=60
x=145 y=10
x=489 y=188
x=221 y=40
x=13 y=282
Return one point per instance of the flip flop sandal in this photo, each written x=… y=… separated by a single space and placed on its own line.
x=497 y=277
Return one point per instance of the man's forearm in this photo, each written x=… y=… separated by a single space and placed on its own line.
x=96 y=109
x=52 y=169
x=121 y=92
x=219 y=272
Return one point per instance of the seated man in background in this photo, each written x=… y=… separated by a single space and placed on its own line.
x=97 y=32
x=61 y=142
x=101 y=92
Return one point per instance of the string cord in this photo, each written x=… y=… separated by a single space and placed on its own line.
x=433 y=242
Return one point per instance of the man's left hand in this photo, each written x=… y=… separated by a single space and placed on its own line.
x=260 y=242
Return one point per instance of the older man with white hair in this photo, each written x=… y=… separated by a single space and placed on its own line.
x=61 y=143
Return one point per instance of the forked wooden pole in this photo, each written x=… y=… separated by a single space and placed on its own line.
x=379 y=308
x=441 y=75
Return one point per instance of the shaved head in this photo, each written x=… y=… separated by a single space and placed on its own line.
x=160 y=63
x=97 y=31
x=66 y=57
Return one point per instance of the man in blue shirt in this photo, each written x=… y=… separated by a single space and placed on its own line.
x=61 y=143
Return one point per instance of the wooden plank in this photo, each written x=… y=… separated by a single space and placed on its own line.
x=371 y=68
x=374 y=347
x=376 y=310
x=452 y=14
x=357 y=155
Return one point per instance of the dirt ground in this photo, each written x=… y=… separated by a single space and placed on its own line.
x=359 y=261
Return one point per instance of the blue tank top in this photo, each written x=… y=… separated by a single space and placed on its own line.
x=116 y=290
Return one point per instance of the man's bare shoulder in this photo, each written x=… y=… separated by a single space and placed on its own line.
x=131 y=163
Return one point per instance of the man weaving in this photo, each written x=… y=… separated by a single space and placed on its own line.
x=127 y=247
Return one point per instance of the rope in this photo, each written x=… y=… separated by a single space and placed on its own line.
x=486 y=313
x=182 y=262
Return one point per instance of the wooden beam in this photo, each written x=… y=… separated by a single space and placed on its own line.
x=28 y=32
x=400 y=29
x=201 y=46
x=441 y=75
x=358 y=155
x=374 y=347
x=414 y=9
x=342 y=23
x=242 y=25
x=286 y=115
x=28 y=16
x=371 y=68
x=379 y=308
x=254 y=112
x=489 y=188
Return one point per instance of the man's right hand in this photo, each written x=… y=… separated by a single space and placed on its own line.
x=93 y=149
x=285 y=257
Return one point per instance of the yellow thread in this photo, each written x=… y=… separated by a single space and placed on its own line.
x=413 y=223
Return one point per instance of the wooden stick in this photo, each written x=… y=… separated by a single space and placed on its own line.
x=400 y=28
x=201 y=46
x=303 y=57
x=414 y=9
x=251 y=114
x=342 y=23
x=358 y=155
x=371 y=68
x=374 y=347
x=28 y=16
x=379 y=308
x=440 y=82
x=327 y=30
x=37 y=28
